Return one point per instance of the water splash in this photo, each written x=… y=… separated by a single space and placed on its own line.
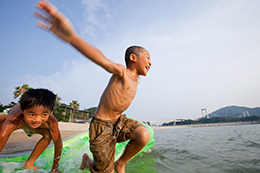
x=72 y=152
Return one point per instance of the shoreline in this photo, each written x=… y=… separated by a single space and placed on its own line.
x=204 y=125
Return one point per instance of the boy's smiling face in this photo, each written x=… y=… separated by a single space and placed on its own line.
x=36 y=116
x=144 y=62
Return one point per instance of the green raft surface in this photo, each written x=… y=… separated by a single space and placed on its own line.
x=72 y=151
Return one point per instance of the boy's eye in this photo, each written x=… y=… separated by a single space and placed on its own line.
x=45 y=115
x=31 y=115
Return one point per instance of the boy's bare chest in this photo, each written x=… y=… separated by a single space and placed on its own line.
x=119 y=94
x=125 y=89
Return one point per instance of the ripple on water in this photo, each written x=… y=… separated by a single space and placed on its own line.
x=252 y=144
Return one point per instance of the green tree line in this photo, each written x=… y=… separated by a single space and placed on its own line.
x=215 y=120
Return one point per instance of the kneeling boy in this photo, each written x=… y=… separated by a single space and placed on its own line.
x=34 y=115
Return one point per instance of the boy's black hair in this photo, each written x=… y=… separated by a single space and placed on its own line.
x=38 y=97
x=136 y=50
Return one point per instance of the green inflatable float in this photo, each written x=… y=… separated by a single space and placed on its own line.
x=73 y=149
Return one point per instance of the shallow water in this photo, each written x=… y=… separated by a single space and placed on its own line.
x=225 y=149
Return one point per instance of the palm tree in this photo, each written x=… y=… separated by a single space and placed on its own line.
x=58 y=99
x=85 y=114
x=20 y=90
x=75 y=105
x=64 y=113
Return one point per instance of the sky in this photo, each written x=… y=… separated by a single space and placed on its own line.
x=204 y=54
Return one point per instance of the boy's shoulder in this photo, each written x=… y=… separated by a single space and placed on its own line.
x=14 y=121
x=15 y=116
x=122 y=68
x=52 y=121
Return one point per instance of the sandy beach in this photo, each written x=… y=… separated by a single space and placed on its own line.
x=20 y=142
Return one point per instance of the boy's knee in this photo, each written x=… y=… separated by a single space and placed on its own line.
x=144 y=135
x=85 y=155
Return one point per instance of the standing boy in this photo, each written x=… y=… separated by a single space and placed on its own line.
x=34 y=115
x=108 y=126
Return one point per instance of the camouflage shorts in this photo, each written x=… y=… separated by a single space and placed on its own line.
x=104 y=134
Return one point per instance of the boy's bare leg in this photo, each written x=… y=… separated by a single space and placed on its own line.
x=38 y=149
x=87 y=162
x=139 y=138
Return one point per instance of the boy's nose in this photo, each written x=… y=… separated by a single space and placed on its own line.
x=38 y=118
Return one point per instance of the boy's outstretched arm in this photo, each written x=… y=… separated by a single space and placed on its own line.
x=57 y=23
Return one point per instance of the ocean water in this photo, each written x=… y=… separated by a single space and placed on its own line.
x=221 y=149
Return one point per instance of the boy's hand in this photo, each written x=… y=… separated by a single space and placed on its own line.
x=55 y=21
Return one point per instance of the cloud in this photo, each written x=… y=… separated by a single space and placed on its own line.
x=78 y=80
x=96 y=18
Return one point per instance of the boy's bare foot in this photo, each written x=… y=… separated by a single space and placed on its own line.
x=24 y=165
x=87 y=162
x=119 y=167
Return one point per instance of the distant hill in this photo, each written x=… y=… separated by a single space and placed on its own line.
x=234 y=111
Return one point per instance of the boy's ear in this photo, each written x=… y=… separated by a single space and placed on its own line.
x=21 y=109
x=133 y=57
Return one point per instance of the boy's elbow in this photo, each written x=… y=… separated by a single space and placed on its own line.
x=59 y=144
x=58 y=147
